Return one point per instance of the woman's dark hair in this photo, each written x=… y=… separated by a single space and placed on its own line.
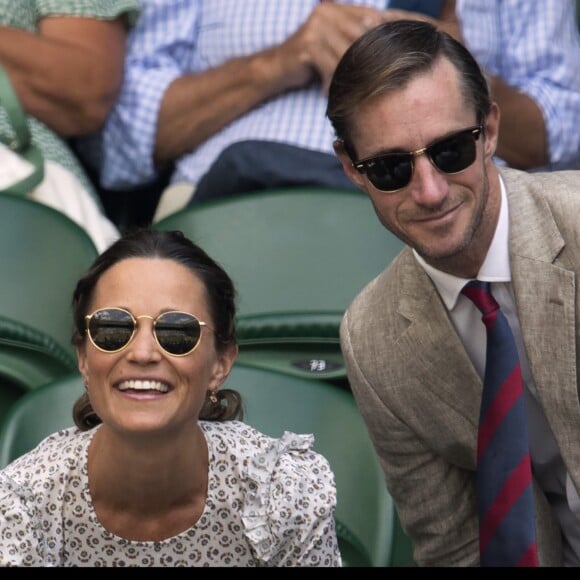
x=386 y=59
x=221 y=295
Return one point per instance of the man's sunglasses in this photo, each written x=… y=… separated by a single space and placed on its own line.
x=112 y=329
x=394 y=171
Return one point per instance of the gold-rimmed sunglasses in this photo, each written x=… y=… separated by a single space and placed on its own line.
x=112 y=329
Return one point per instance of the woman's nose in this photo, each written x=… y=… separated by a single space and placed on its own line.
x=144 y=346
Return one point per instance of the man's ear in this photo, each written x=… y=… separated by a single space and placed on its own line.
x=347 y=165
x=491 y=129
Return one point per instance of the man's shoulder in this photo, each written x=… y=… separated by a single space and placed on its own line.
x=557 y=191
x=383 y=290
x=554 y=183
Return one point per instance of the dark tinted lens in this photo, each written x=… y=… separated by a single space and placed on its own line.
x=454 y=154
x=177 y=332
x=111 y=329
x=390 y=172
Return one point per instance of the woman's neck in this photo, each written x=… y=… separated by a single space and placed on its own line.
x=148 y=489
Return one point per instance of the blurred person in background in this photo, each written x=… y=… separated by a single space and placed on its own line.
x=64 y=60
x=226 y=96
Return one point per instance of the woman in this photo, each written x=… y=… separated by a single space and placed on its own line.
x=160 y=471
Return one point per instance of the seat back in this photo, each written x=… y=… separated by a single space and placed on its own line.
x=277 y=402
x=28 y=358
x=37 y=414
x=298 y=257
x=42 y=255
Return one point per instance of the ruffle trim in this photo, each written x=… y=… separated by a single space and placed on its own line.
x=260 y=472
x=22 y=497
x=19 y=511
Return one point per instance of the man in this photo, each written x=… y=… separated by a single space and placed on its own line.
x=230 y=96
x=414 y=344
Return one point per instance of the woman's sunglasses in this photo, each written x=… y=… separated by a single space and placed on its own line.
x=112 y=329
x=394 y=171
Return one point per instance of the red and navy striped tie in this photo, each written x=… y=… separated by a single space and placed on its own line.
x=507 y=532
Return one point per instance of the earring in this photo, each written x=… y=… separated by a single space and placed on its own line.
x=213 y=398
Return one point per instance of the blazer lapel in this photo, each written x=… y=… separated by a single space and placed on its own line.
x=431 y=342
x=546 y=304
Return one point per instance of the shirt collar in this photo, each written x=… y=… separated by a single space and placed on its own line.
x=495 y=267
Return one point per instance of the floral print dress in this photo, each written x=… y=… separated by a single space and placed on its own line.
x=270 y=502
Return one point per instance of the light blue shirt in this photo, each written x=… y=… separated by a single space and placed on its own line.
x=535 y=47
x=532 y=44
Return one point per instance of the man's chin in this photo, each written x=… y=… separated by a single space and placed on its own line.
x=439 y=252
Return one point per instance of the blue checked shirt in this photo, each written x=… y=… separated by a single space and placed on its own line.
x=532 y=44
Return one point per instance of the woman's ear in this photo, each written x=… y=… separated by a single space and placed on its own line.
x=223 y=365
x=82 y=362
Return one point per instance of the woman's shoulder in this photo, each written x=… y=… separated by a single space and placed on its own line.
x=290 y=489
x=246 y=439
x=60 y=450
x=289 y=460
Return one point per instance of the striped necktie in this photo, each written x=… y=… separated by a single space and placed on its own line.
x=504 y=477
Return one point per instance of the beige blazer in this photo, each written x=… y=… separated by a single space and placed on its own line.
x=419 y=393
